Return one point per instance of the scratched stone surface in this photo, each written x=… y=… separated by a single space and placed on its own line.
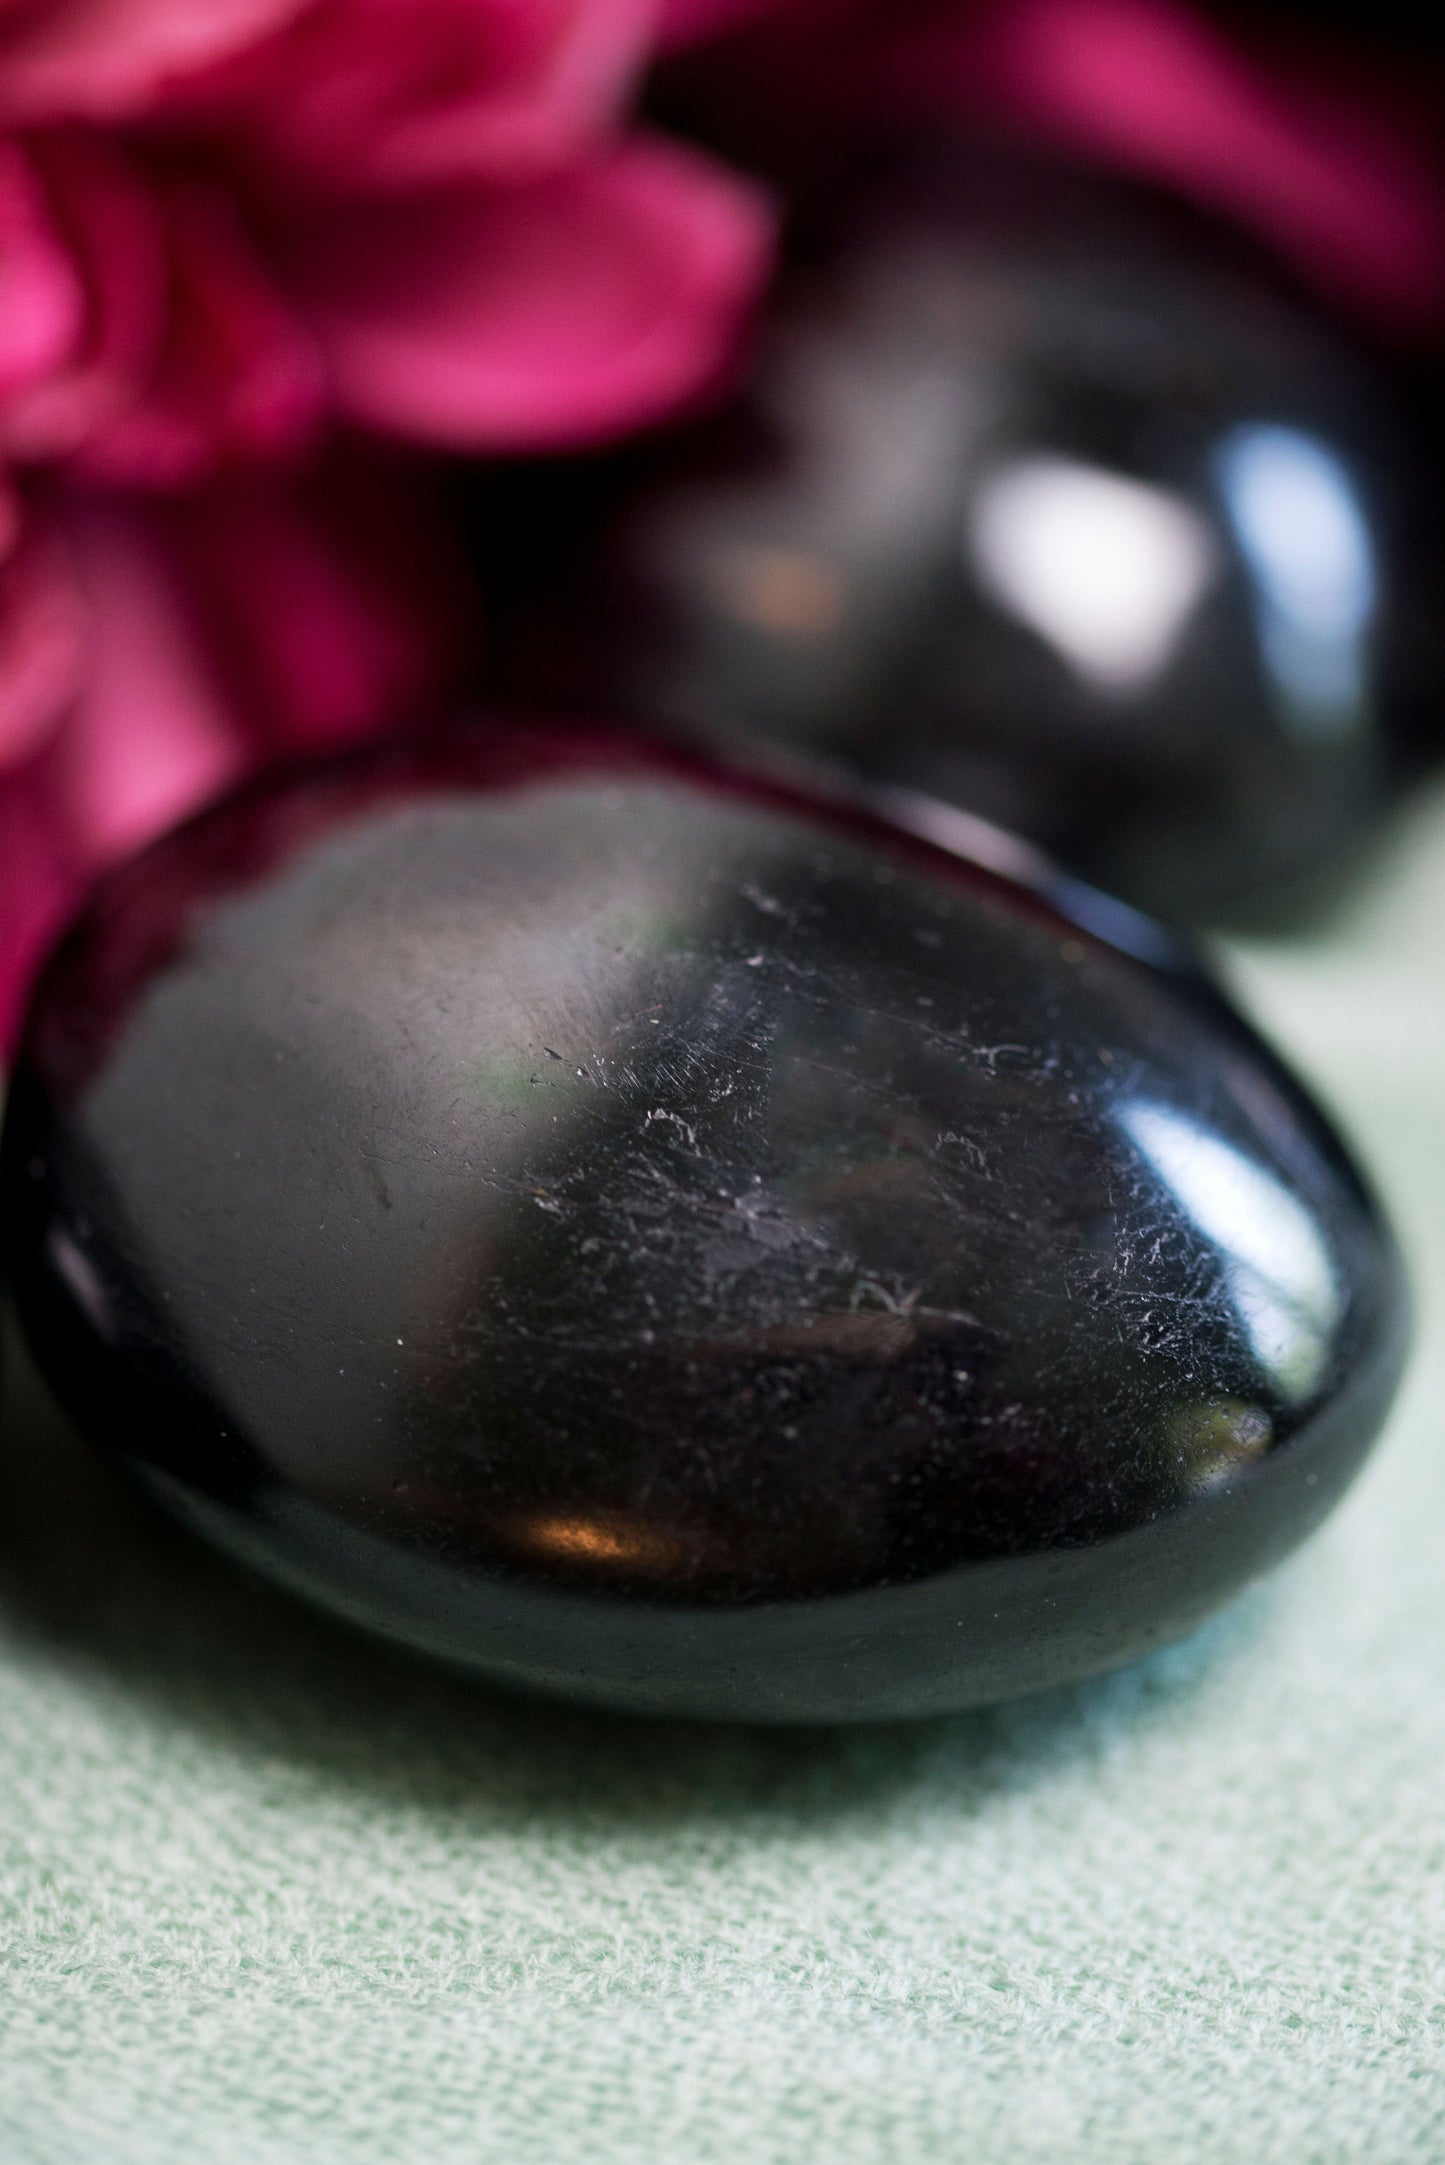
x=674 y=1243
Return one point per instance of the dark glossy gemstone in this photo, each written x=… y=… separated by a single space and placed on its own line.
x=1033 y=505
x=660 y=1239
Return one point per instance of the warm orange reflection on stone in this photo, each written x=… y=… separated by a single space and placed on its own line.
x=790 y=591
x=607 y=1543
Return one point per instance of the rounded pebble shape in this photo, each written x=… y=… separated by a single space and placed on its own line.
x=1033 y=504
x=667 y=1241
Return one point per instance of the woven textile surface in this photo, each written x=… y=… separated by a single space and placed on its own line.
x=268 y=1895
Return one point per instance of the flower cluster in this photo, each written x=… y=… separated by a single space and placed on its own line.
x=259 y=257
x=233 y=231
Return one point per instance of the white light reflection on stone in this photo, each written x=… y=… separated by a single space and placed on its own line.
x=1299 y=521
x=74 y=1267
x=1277 y=1266
x=1108 y=570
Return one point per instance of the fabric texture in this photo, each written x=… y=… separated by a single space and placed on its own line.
x=269 y=1895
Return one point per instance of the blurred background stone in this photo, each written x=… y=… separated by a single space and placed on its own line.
x=1038 y=496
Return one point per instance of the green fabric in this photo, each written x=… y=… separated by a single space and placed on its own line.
x=272 y=1896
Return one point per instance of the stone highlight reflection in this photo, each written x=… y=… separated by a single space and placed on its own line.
x=1302 y=523
x=1108 y=570
x=1278 y=1266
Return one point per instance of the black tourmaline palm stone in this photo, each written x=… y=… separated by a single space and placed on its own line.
x=659 y=1240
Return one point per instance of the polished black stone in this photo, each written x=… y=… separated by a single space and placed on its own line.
x=1034 y=505
x=665 y=1241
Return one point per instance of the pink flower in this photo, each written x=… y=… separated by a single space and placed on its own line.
x=174 y=642
x=1328 y=154
x=1337 y=179
x=229 y=228
x=259 y=257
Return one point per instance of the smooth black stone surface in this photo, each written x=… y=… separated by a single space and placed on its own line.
x=1031 y=504
x=659 y=1240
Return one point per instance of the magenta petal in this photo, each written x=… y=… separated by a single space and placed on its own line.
x=152 y=733
x=103 y=58
x=537 y=317
x=111 y=227
x=236 y=376
x=41 y=296
x=1153 y=88
x=38 y=883
x=337 y=599
x=378 y=94
x=691 y=22
x=42 y=633
x=147 y=735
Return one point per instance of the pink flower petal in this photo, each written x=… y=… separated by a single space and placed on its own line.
x=538 y=317
x=237 y=377
x=42 y=301
x=152 y=733
x=337 y=600
x=103 y=58
x=378 y=93
x=221 y=628
x=1150 y=86
x=690 y=22
x=39 y=885
x=42 y=633
x=106 y=220
x=147 y=736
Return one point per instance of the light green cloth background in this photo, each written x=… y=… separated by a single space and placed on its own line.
x=268 y=1895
